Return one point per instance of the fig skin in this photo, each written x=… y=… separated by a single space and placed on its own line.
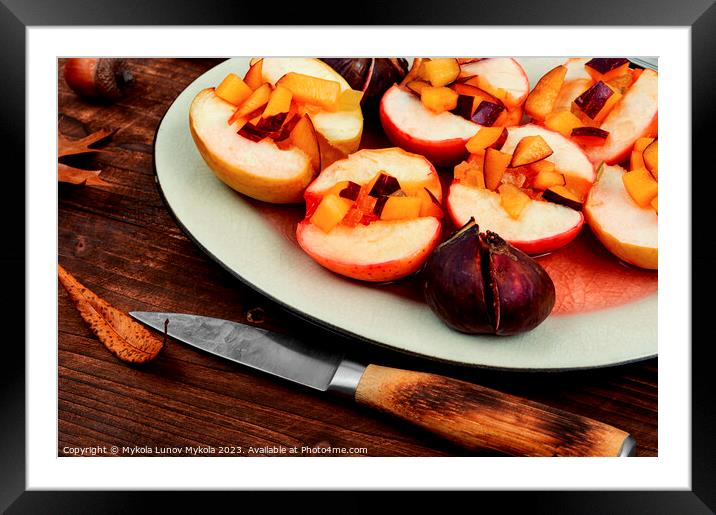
x=480 y=284
x=373 y=76
x=523 y=291
x=450 y=286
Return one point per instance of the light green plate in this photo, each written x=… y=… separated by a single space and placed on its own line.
x=256 y=243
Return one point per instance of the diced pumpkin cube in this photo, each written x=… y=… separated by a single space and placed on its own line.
x=562 y=122
x=440 y=71
x=279 y=102
x=256 y=100
x=651 y=158
x=513 y=200
x=621 y=83
x=655 y=203
x=540 y=102
x=439 y=99
x=636 y=160
x=608 y=106
x=233 y=89
x=579 y=186
x=641 y=186
x=494 y=167
x=483 y=84
x=511 y=117
x=401 y=208
x=330 y=212
x=470 y=174
x=530 y=149
x=642 y=143
x=429 y=205
x=305 y=137
x=636 y=73
x=312 y=90
x=254 y=77
x=349 y=100
x=487 y=137
x=546 y=178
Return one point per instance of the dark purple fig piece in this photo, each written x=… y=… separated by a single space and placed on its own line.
x=453 y=283
x=480 y=284
x=464 y=106
x=522 y=290
x=592 y=101
x=384 y=186
x=605 y=64
x=351 y=191
x=487 y=113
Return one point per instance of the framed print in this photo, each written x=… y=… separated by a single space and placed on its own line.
x=217 y=190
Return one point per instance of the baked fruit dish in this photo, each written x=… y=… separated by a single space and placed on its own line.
x=268 y=134
x=443 y=102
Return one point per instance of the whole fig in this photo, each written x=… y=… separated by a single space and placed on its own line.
x=371 y=75
x=478 y=283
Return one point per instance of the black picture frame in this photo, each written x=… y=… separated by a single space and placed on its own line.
x=17 y=15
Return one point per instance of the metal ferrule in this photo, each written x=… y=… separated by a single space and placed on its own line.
x=345 y=380
x=628 y=447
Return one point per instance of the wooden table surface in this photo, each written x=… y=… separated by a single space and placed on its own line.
x=123 y=244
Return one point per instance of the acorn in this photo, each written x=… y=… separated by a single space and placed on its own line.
x=102 y=78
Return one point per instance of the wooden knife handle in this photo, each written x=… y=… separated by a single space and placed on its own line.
x=481 y=418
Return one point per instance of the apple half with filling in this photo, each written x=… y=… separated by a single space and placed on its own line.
x=602 y=93
x=629 y=229
x=443 y=102
x=268 y=134
x=374 y=216
x=528 y=186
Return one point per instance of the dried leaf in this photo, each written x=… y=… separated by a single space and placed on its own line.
x=68 y=147
x=125 y=338
x=72 y=175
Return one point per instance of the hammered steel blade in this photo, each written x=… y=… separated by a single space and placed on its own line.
x=278 y=354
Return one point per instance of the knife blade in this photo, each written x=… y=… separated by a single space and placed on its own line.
x=470 y=415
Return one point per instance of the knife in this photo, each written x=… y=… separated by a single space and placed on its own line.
x=469 y=415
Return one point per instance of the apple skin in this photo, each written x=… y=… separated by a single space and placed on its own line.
x=384 y=271
x=253 y=183
x=440 y=152
x=531 y=247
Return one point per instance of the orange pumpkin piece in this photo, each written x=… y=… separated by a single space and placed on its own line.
x=494 y=167
x=562 y=122
x=547 y=178
x=642 y=143
x=641 y=186
x=541 y=100
x=608 y=106
x=233 y=89
x=256 y=100
x=439 y=99
x=636 y=160
x=349 y=100
x=655 y=203
x=401 y=208
x=417 y=85
x=440 y=71
x=312 y=90
x=513 y=200
x=279 y=102
x=330 y=212
x=429 y=205
x=530 y=149
x=254 y=77
x=487 y=137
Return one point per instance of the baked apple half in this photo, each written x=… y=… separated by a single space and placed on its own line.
x=374 y=216
x=606 y=98
x=268 y=134
x=443 y=102
x=528 y=185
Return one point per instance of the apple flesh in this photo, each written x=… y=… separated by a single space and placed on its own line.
x=629 y=231
x=381 y=250
x=634 y=116
x=541 y=226
x=258 y=169
x=501 y=73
